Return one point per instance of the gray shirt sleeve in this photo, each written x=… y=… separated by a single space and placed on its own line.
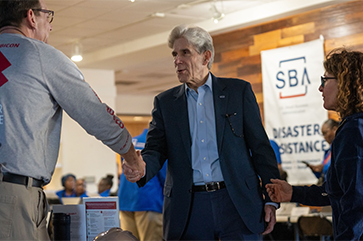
x=70 y=91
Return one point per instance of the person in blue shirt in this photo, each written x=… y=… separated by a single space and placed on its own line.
x=328 y=129
x=81 y=188
x=105 y=185
x=68 y=182
x=141 y=208
x=276 y=148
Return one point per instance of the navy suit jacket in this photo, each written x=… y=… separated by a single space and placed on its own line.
x=245 y=154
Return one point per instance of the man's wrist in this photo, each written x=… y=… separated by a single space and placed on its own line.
x=276 y=205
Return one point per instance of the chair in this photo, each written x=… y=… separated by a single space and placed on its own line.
x=315 y=227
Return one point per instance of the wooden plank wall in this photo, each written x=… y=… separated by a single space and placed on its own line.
x=237 y=53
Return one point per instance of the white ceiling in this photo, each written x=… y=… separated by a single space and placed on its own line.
x=130 y=38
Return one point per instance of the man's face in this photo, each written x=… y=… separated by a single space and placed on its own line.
x=43 y=27
x=191 y=67
x=328 y=133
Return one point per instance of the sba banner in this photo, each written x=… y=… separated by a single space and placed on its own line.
x=293 y=106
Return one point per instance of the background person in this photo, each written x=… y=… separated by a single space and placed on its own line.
x=141 y=208
x=210 y=131
x=81 y=187
x=37 y=83
x=328 y=129
x=69 y=184
x=341 y=88
x=105 y=185
x=276 y=148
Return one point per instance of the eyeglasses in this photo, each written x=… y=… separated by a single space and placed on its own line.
x=50 y=13
x=324 y=79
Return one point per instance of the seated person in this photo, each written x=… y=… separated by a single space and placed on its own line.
x=105 y=185
x=68 y=182
x=81 y=188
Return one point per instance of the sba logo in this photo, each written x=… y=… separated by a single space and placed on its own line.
x=293 y=78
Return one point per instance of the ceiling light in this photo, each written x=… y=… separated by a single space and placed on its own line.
x=77 y=52
x=132 y=1
x=138 y=118
x=158 y=15
x=219 y=18
x=217 y=15
x=183 y=6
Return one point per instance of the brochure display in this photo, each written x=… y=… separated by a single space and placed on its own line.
x=102 y=213
x=78 y=220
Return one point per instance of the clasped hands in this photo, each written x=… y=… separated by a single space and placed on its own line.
x=134 y=169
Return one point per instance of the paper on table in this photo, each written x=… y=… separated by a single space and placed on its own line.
x=300 y=211
x=78 y=219
x=102 y=213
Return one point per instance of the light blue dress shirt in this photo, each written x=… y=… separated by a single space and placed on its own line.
x=205 y=159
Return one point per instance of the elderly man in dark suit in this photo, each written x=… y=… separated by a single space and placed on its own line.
x=210 y=131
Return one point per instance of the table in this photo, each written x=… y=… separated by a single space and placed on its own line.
x=290 y=213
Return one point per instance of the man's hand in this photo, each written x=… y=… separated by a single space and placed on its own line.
x=270 y=218
x=317 y=168
x=279 y=191
x=133 y=166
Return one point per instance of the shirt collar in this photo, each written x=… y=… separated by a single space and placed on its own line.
x=207 y=83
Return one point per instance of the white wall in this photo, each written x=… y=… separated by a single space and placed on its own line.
x=134 y=104
x=82 y=154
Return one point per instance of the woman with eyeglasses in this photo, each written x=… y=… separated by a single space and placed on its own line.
x=342 y=91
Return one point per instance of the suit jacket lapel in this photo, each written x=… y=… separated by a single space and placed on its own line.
x=220 y=98
x=181 y=110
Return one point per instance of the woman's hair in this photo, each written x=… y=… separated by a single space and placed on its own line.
x=108 y=179
x=196 y=36
x=12 y=12
x=347 y=67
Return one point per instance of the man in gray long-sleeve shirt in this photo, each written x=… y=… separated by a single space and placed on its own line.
x=38 y=82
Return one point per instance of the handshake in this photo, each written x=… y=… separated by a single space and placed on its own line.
x=133 y=166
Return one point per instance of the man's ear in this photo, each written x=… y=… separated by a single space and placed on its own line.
x=207 y=57
x=30 y=18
